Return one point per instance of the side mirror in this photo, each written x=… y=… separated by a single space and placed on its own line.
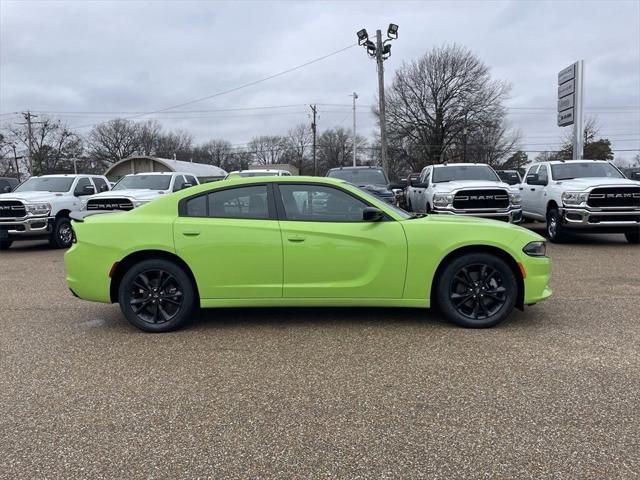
x=396 y=186
x=86 y=190
x=533 y=179
x=186 y=185
x=372 y=214
x=104 y=188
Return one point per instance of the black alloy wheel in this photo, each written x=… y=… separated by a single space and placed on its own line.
x=555 y=230
x=156 y=296
x=633 y=237
x=5 y=244
x=477 y=290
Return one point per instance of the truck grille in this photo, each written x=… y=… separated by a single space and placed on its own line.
x=481 y=199
x=109 y=204
x=12 y=209
x=614 y=197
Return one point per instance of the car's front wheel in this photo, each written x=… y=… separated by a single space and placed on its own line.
x=156 y=296
x=62 y=233
x=5 y=244
x=477 y=290
x=555 y=230
x=633 y=237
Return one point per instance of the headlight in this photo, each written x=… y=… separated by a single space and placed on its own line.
x=38 y=208
x=515 y=198
x=442 y=200
x=535 y=249
x=574 y=198
x=137 y=203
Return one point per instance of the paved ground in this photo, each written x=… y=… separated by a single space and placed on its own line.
x=552 y=393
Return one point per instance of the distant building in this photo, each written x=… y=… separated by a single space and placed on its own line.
x=144 y=164
x=276 y=166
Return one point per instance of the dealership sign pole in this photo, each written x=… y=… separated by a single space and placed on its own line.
x=570 y=102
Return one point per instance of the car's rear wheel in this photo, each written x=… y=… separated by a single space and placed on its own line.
x=555 y=230
x=156 y=296
x=5 y=244
x=477 y=290
x=633 y=237
x=62 y=233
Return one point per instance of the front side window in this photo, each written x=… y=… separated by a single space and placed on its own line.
x=318 y=203
x=144 y=182
x=542 y=174
x=452 y=173
x=80 y=187
x=101 y=185
x=532 y=171
x=242 y=202
x=191 y=180
x=570 y=170
x=178 y=183
x=46 y=184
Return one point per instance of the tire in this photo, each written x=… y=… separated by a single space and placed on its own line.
x=62 y=233
x=633 y=237
x=468 y=300
x=555 y=231
x=166 y=308
x=5 y=244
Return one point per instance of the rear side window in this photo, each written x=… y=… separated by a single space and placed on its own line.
x=191 y=180
x=178 y=182
x=243 y=202
x=101 y=185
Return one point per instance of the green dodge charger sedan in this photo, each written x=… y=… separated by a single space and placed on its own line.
x=300 y=241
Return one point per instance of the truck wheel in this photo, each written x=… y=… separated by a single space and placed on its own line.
x=477 y=290
x=156 y=296
x=62 y=234
x=5 y=244
x=555 y=230
x=633 y=237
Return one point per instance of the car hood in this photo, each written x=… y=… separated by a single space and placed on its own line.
x=584 y=183
x=136 y=194
x=507 y=228
x=31 y=196
x=458 y=184
x=376 y=189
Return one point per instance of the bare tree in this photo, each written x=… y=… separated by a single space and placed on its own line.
x=114 y=140
x=299 y=145
x=215 y=152
x=435 y=99
x=149 y=134
x=268 y=149
x=177 y=144
x=335 y=148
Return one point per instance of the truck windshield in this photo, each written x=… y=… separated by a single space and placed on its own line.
x=144 y=182
x=46 y=184
x=364 y=176
x=566 y=171
x=464 y=172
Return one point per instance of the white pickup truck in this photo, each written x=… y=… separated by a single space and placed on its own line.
x=464 y=189
x=40 y=208
x=136 y=189
x=588 y=195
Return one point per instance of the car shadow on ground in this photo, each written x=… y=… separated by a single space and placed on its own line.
x=581 y=238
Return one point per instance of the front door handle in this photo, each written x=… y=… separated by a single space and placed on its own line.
x=297 y=238
x=191 y=233
x=533 y=189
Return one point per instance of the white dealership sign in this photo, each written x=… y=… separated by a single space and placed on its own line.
x=570 y=103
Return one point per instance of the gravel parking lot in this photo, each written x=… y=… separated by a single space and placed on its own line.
x=554 y=392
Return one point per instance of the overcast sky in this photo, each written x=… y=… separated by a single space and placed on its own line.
x=141 y=56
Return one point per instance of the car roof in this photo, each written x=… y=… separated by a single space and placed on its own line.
x=558 y=162
x=468 y=164
x=284 y=179
x=361 y=167
x=69 y=175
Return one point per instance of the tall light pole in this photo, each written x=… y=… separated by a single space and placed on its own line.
x=381 y=50
x=355 y=96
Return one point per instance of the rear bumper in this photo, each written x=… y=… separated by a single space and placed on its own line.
x=583 y=218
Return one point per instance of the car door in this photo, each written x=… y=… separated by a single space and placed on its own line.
x=529 y=192
x=540 y=199
x=231 y=240
x=330 y=252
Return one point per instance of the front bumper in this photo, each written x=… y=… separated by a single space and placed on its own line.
x=27 y=227
x=511 y=214
x=600 y=219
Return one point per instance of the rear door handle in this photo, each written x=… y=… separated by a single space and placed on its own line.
x=297 y=238
x=191 y=233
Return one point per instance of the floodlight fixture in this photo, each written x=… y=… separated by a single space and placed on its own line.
x=386 y=51
x=362 y=36
x=392 y=31
x=371 y=47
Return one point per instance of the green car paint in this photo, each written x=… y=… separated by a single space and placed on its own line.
x=271 y=262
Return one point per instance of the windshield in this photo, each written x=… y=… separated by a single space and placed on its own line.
x=46 y=184
x=511 y=178
x=258 y=174
x=364 y=176
x=398 y=210
x=567 y=171
x=464 y=172
x=144 y=182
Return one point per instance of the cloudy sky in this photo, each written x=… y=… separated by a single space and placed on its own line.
x=85 y=60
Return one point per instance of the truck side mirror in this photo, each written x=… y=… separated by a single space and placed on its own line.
x=533 y=179
x=186 y=185
x=104 y=188
x=395 y=186
x=86 y=190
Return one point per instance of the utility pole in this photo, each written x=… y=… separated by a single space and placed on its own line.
x=464 y=133
x=355 y=96
x=313 y=130
x=380 y=51
x=578 y=129
x=27 y=117
x=383 y=125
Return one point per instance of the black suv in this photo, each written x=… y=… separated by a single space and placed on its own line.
x=371 y=179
